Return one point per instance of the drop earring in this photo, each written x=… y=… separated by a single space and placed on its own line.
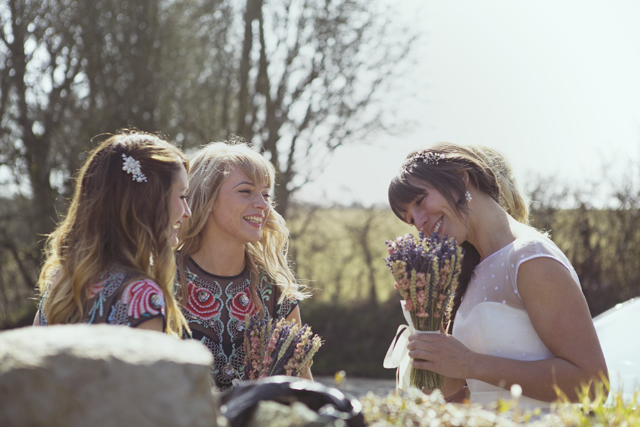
x=467 y=196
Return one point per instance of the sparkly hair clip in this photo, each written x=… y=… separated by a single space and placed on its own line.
x=425 y=156
x=132 y=166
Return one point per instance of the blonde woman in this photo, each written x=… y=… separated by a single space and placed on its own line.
x=520 y=315
x=233 y=257
x=111 y=259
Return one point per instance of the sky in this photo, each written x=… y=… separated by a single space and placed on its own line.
x=553 y=84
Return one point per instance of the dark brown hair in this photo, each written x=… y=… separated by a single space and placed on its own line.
x=486 y=169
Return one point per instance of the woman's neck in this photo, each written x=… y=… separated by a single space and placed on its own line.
x=491 y=227
x=219 y=261
x=219 y=256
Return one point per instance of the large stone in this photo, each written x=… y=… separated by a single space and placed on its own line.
x=102 y=375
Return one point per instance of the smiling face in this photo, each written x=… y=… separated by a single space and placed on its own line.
x=179 y=209
x=431 y=213
x=240 y=210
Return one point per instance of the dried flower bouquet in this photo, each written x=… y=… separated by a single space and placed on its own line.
x=278 y=347
x=426 y=273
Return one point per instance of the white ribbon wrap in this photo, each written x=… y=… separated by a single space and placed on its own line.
x=398 y=354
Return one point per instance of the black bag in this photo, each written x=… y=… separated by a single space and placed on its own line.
x=237 y=404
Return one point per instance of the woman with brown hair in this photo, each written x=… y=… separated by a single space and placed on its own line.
x=519 y=315
x=111 y=259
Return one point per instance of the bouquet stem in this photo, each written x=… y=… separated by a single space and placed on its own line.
x=426 y=380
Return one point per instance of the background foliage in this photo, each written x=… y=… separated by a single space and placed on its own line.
x=296 y=78
x=356 y=309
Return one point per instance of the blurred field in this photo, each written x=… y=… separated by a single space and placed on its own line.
x=339 y=253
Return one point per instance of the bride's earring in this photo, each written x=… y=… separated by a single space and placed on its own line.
x=467 y=196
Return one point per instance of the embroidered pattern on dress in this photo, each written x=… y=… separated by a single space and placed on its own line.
x=202 y=302
x=118 y=315
x=266 y=291
x=108 y=283
x=225 y=368
x=144 y=299
x=95 y=289
x=114 y=280
x=140 y=299
x=194 y=308
x=241 y=305
x=235 y=303
x=286 y=307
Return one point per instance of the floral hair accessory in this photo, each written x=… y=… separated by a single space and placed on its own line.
x=424 y=156
x=132 y=166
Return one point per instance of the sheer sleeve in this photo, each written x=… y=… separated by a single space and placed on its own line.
x=537 y=247
x=271 y=294
x=287 y=306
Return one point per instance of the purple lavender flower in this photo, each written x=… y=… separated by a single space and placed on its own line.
x=426 y=271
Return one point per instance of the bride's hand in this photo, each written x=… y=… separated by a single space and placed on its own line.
x=440 y=353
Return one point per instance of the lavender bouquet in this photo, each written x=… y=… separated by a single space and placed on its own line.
x=278 y=348
x=426 y=271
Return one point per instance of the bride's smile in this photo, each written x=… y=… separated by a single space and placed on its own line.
x=438 y=225
x=432 y=213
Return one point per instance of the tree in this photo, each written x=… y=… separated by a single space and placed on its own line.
x=198 y=78
x=361 y=235
x=295 y=78
x=601 y=243
x=68 y=71
x=39 y=67
x=311 y=75
x=40 y=48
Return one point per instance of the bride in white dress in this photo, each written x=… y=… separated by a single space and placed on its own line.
x=520 y=315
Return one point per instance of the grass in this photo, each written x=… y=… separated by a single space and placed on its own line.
x=419 y=410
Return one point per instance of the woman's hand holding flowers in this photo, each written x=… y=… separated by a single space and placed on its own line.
x=441 y=353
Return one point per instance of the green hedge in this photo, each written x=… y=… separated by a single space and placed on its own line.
x=356 y=336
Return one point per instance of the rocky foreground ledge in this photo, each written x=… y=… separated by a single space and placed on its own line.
x=102 y=375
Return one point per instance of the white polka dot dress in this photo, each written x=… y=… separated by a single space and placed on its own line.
x=492 y=318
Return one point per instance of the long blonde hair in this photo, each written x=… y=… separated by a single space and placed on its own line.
x=510 y=197
x=210 y=167
x=115 y=220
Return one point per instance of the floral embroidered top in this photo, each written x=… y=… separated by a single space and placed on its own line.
x=117 y=300
x=216 y=309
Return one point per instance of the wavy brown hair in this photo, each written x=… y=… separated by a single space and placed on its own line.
x=115 y=220
x=488 y=171
x=210 y=167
